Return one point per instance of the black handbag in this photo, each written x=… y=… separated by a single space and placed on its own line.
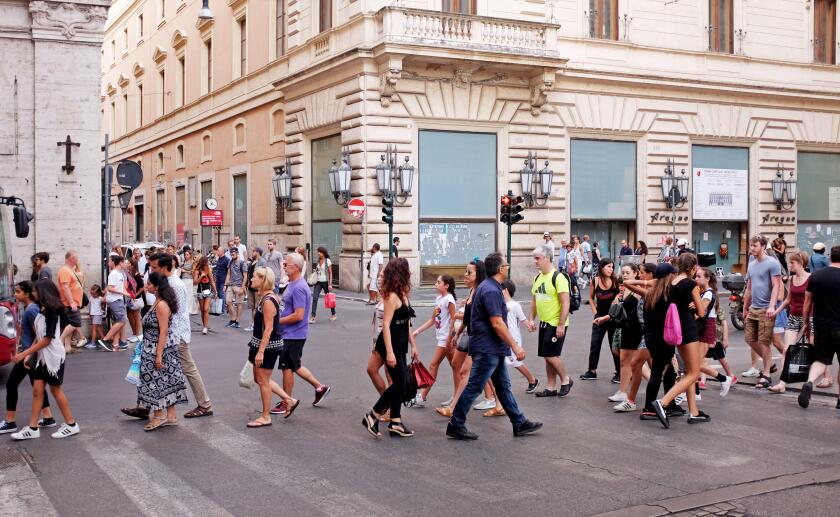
x=618 y=316
x=798 y=359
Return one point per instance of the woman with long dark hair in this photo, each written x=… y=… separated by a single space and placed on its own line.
x=323 y=270
x=602 y=293
x=682 y=291
x=49 y=366
x=162 y=382
x=641 y=249
x=25 y=295
x=392 y=344
x=205 y=290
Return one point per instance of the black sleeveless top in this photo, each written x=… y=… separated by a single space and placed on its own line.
x=467 y=315
x=276 y=339
x=604 y=298
x=400 y=327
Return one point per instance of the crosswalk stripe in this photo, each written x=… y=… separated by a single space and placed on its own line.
x=20 y=491
x=304 y=483
x=152 y=486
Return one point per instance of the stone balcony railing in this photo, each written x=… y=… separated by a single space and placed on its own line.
x=422 y=27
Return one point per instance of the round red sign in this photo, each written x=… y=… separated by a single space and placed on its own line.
x=356 y=208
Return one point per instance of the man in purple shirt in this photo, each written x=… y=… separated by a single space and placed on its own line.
x=297 y=303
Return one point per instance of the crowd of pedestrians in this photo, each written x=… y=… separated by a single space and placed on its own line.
x=663 y=323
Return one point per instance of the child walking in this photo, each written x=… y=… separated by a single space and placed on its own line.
x=96 y=315
x=707 y=328
x=515 y=317
x=443 y=319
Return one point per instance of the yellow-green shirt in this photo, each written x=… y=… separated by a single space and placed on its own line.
x=547 y=297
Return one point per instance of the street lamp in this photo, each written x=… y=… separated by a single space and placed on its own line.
x=674 y=192
x=784 y=188
x=282 y=183
x=534 y=181
x=340 y=176
x=394 y=182
x=205 y=13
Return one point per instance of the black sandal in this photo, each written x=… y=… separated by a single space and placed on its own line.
x=763 y=383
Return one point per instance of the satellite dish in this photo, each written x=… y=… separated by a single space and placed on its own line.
x=129 y=174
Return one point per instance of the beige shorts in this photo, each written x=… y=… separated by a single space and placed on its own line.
x=758 y=328
x=234 y=294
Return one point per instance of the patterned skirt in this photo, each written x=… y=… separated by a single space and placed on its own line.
x=162 y=388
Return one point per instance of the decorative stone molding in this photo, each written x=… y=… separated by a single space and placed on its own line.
x=388 y=85
x=160 y=55
x=179 y=39
x=71 y=20
x=461 y=78
x=540 y=86
x=138 y=69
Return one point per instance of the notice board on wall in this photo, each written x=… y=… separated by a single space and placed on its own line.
x=720 y=194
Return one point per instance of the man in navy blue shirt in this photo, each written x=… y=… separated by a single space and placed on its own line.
x=490 y=342
x=221 y=271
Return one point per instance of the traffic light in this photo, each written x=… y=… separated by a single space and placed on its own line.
x=504 y=205
x=515 y=208
x=388 y=210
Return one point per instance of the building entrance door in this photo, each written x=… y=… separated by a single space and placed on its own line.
x=608 y=235
x=326 y=213
x=716 y=236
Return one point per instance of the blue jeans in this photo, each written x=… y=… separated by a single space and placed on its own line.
x=220 y=289
x=487 y=367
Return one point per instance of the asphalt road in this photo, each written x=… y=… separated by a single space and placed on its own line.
x=587 y=460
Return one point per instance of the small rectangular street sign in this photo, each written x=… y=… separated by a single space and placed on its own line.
x=212 y=218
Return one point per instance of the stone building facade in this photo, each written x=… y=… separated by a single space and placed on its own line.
x=49 y=86
x=608 y=91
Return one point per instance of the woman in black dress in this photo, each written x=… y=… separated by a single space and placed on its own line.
x=602 y=292
x=683 y=292
x=392 y=344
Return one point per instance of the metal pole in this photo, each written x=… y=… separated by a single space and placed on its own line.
x=509 y=236
x=673 y=217
x=106 y=210
x=390 y=235
x=362 y=255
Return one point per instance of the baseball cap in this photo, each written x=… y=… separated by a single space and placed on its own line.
x=663 y=270
x=233 y=250
x=819 y=246
x=682 y=242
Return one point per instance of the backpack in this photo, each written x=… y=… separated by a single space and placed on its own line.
x=673 y=328
x=574 y=292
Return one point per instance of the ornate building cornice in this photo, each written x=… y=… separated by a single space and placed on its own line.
x=68 y=20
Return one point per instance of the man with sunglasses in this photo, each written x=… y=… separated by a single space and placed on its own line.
x=490 y=341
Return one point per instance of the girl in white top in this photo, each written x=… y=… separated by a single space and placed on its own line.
x=515 y=318
x=707 y=281
x=443 y=319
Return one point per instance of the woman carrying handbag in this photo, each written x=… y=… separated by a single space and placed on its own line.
x=322 y=275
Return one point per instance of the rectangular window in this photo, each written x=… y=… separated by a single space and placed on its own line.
x=140 y=25
x=139 y=222
x=721 y=26
x=455 y=227
x=459 y=6
x=162 y=8
x=825 y=31
x=125 y=39
x=280 y=28
x=181 y=86
x=160 y=214
x=818 y=203
x=240 y=206
x=603 y=180
x=206 y=231
x=112 y=127
x=125 y=112
x=139 y=105
x=208 y=66
x=180 y=214
x=326 y=214
x=324 y=15
x=603 y=19
x=243 y=47
x=113 y=51
x=161 y=107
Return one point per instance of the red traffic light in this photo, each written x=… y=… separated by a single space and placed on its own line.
x=506 y=200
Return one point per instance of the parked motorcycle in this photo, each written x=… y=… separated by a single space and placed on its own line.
x=736 y=283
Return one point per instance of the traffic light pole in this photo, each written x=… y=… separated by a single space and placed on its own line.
x=509 y=238
x=388 y=218
x=390 y=240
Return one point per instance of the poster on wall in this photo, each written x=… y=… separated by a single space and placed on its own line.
x=720 y=194
x=454 y=243
x=834 y=203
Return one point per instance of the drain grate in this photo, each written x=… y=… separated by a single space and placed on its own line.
x=11 y=458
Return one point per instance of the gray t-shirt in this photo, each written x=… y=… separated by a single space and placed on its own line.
x=237 y=273
x=760 y=276
x=45 y=273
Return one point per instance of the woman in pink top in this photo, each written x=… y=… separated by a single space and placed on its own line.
x=794 y=301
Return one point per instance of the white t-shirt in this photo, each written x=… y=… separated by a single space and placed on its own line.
x=96 y=306
x=514 y=318
x=550 y=245
x=586 y=251
x=443 y=319
x=376 y=261
x=708 y=296
x=116 y=278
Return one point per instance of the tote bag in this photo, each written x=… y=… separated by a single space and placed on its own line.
x=329 y=301
x=797 y=362
x=673 y=327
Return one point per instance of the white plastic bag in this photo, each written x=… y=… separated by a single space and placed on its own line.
x=246 y=376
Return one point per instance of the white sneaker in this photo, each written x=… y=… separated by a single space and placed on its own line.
x=133 y=339
x=418 y=401
x=446 y=403
x=27 y=433
x=698 y=397
x=624 y=407
x=204 y=331
x=80 y=343
x=485 y=404
x=679 y=399
x=66 y=430
x=725 y=385
x=618 y=396
x=752 y=372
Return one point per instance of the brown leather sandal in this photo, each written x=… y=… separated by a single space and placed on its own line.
x=198 y=412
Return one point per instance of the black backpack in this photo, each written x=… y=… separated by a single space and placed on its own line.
x=574 y=292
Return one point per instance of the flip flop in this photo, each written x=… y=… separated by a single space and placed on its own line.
x=251 y=425
x=151 y=426
x=291 y=409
